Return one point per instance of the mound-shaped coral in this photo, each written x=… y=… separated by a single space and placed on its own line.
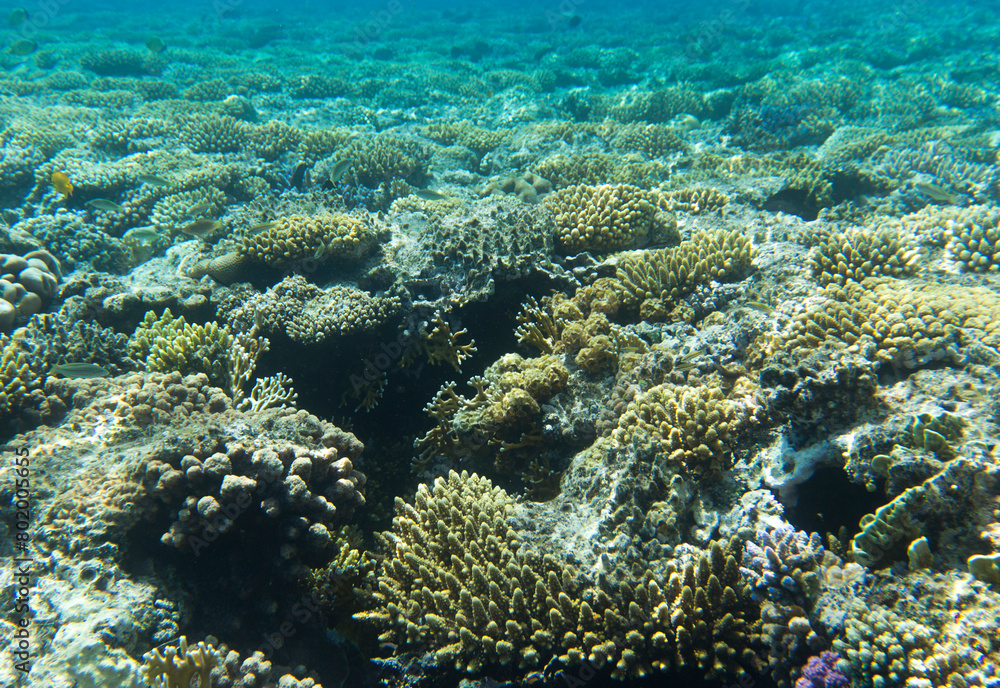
x=298 y=237
x=27 y=285
x=859 y=254
x=606 y=218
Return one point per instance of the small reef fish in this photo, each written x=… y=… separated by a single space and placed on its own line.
x=201 y=228
x=79 y=371
x=300 y=176
x=153 y=180
x=429 y=195
x=338 y=170
x=147 y=233
x=22 y=47
x=262 y=227
x=155 y=44
x=105 y=204
x=17 y=16
x=320 y=250
x=936 y=193
x=686 y=362
x=758 y=306
x=198 y=208
x=61 y=183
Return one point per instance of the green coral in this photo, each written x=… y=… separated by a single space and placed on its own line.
x=861 y=253
x=167 y=344
x=460 y=587
x=606 y=218
x=323 y=235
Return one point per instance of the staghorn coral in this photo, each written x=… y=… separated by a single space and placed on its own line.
x=940 y=640
x=606 y=218
x=384 y=158
x=120 y=62
x=859 y=254
x=439 y=345
x=694 y=200
x=173 y=211
x=272 y=140
x=294 y=238
x=214 y=134
x=479 y=140
x=652 y=139
x=458 y=588
x=649 y=281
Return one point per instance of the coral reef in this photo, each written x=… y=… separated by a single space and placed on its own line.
x=300 y=237
x=459 y=590
x=606 y=218
x=310 y=315
x=859 y=254
x=28 y=284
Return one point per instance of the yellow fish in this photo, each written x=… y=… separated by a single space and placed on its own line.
x=62 y=184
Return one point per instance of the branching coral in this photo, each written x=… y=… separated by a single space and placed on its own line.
x=459 y=588
x=177 y=666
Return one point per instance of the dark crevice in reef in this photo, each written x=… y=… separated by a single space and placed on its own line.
x=794 y=202
x=829 y=501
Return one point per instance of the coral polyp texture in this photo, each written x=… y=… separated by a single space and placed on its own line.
x=321 y=236
x=459 y=590
x=605 y=218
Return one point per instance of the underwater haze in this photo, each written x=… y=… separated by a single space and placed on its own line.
x=576 y=344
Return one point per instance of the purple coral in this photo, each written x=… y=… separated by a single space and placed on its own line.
x=821 y=672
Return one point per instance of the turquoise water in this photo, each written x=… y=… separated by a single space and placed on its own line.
x=426 y=344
